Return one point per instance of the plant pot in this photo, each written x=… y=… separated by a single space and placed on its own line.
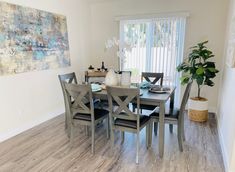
x=198 y=109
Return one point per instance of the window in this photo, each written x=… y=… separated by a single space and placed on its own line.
x=156 y=46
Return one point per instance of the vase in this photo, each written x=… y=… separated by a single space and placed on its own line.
x=125 y=79
x=111 y=78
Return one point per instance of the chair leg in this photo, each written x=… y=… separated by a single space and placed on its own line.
x=66 y=122
x=68 y=131
x=133 y=108
x=171 y=128
x=85 y=128
x=107 y=127
x=123 y=136
x=93 y=138
x=155 y=128
x=183 y=132
x=180 y=141
x=150 y=133
x=137 y=149
x=71 y=135
x=112 y=139
x=147 y=135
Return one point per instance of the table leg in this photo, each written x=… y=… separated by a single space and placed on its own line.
x=161 y=128
x=172 y=100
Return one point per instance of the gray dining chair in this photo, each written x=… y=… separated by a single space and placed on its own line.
x=174 y=117
x=104 y=102
x=83 y=113
x=122 y=118
x=153 y=78
x=69 y=78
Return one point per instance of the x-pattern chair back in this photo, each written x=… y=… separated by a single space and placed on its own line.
x=122 y=97
x=153 y=78
x=79 y=93
x=69 y=78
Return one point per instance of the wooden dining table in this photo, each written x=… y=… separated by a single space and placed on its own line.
x=149 y=98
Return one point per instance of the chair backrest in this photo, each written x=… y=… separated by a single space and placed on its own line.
x=185 y=98
x=69 y=78
x=121 y=97
x=153 y=78
x=79 y=98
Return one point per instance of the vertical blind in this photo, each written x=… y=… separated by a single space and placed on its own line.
x=156 y=45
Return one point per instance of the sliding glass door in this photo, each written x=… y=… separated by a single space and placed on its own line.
x=155 y=45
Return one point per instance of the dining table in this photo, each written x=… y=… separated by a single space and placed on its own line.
x=155 y=99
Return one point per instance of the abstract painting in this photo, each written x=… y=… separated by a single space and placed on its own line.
x=31 y=40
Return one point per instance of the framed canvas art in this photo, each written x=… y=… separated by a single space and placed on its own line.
x=31 y=40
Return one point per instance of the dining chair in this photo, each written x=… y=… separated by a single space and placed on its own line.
x=122 y=118
x=83 y=113
x=174 y=117
x=153 y=78
x=69 y=78
x=104 y=102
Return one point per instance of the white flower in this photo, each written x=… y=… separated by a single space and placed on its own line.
x=114 y=43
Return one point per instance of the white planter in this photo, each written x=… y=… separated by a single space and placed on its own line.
x=111 y=78
x=198 y=109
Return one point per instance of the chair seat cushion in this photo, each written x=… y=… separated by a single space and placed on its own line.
x=132 y=123
x=99 y=113
x=168 y=115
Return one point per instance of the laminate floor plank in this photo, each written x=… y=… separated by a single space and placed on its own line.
x=47 y=148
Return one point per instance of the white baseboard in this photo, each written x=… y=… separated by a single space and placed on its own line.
x=15 y=131
x=222 y=146
x=212 y=109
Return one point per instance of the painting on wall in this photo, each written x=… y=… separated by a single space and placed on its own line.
x=31 y=40
x=231 y=45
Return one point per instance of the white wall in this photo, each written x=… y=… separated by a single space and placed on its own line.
x=207 y=21
x=226 y=115
x=232 y=162
x=30 y=98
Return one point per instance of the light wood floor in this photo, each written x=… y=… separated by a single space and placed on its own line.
x=46 y=148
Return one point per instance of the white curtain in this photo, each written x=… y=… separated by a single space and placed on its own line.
x=156 y=45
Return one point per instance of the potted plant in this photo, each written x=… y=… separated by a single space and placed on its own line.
x=198 y=67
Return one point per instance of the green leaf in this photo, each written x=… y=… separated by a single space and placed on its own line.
x=200 y=71
x=184 y=80
x=200 y=79
x=211 y=69
x=209 y=64
x=209 y=74
x=209 y=82
x=183 y=67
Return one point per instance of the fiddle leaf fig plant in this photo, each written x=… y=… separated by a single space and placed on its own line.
x=198 y=67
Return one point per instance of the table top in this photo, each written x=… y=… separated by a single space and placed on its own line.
x=145 y=95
